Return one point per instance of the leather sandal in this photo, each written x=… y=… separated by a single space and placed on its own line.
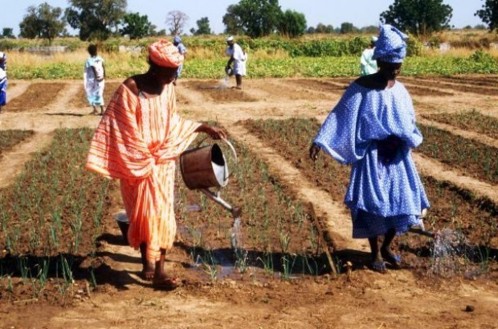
x=378 y=266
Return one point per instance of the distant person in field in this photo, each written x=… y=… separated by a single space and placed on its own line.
x=3 y=80
x=94 y=80
x=177 y=41
x=138 y=140
x=373 y=129
x=238 y=58
x=368 y=65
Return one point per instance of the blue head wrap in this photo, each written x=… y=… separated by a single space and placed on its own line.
x=391 y=45
x=177 y=39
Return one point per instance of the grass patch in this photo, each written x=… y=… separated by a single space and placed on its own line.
x=55 y=206
x=50 y=221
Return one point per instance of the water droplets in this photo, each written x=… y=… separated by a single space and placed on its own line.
x=236 y=234
x=452 y=255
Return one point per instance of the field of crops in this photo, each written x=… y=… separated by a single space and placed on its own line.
x=60 y=244
x=309 y=56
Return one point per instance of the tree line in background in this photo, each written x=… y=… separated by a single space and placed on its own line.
x=101 y=19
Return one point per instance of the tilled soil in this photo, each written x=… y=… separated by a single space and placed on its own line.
x=355 y=299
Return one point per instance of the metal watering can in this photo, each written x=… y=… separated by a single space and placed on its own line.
x=205 y=167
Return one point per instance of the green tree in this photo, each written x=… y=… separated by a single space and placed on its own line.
x=8 y=33
x=322 y=28
x=347 y=28
x=232 y=21
x=95 y=19
x=371 y=29
x=255 y=18
x=44 y=22
x=136 y=26
x=419 y=17
x=489 y=14
x=292 y=24
x=202 y=27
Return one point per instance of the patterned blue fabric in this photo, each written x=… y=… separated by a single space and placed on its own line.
x=3 y=91
x=3 y=78
x=366 y=225
x=390 y=47
x=349 y=134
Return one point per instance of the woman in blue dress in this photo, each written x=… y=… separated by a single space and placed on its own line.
x=177 y=41
x=3 y=80
x=373 y=129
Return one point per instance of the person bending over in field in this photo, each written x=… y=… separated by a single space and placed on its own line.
x=238 y=58
x=94 y=80
x=373 y=129
x=138 y=140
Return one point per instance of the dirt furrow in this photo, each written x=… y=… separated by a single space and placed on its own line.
x=433 y=168
x=63 y=99
x=12 y=162
x=18 y=89
x=462 y=133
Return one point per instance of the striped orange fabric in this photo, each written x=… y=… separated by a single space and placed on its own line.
x=137 y=141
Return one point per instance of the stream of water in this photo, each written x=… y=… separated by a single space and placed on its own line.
x=452 y=255
x=236 y=234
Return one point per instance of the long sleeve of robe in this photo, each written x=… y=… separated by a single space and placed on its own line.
x=137 y=141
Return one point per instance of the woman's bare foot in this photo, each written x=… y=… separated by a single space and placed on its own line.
x=148 y=272
x=392 y=259
x=165 y=283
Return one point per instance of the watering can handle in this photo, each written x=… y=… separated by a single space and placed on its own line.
x=228 y=143
x=232 y=148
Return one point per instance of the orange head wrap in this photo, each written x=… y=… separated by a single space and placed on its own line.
x=164 y=53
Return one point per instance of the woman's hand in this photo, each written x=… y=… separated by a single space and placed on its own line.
x=314 y=150
x=388 y=148
x=213 y=132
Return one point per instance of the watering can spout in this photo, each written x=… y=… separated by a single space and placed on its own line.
x=421 y=231
x=235 y=211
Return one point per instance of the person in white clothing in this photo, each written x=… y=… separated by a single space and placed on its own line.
x=94 y=80
x=368 y=65
x=238 y=57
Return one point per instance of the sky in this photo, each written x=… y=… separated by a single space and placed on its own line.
x=329 y=12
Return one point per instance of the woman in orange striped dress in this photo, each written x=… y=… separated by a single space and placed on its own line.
x=137 y=141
